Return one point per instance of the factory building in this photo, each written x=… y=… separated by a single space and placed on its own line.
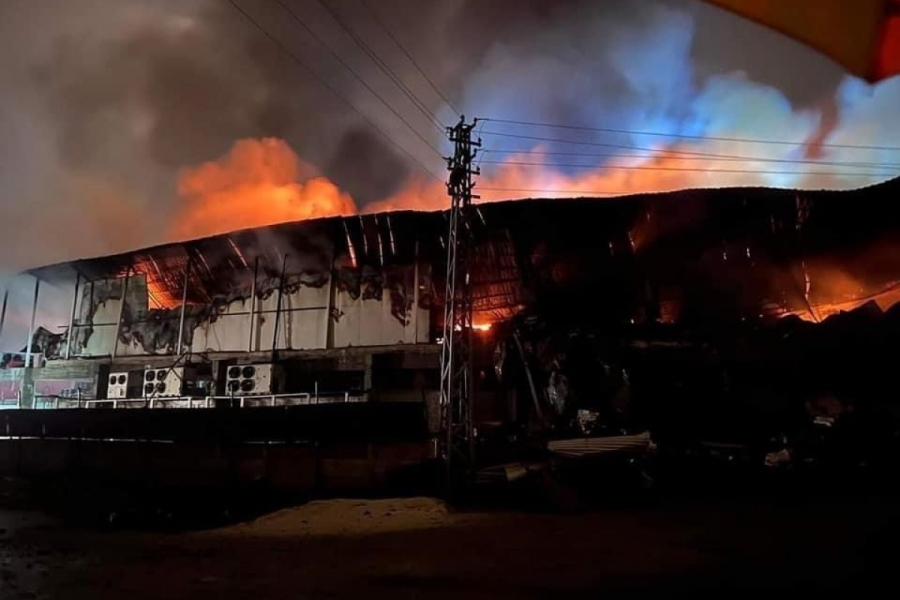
x=351 y=307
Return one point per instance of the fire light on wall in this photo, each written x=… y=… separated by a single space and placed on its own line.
x=482 y=327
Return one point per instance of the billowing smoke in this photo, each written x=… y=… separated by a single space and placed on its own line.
x=258 y=183
x=121 y=122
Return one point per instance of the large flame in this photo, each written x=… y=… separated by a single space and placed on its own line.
x=263 y=182
x=259 y=182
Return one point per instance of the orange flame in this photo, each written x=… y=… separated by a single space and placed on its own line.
x=259 y=182
x=263 y=182
x=837 y=291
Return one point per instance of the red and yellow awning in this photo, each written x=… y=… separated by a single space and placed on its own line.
x=861 y=35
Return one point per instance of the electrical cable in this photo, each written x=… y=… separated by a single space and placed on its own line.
x=330 y=88
x=710 y=157
x=382 y=66
x=688 y=170
x=356 y=75
x=689 y=137
x=424 y=75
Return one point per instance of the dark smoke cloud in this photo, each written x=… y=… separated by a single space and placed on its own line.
x=122 y=94
x=367 y=172
x=102 y=105
x=102 y=102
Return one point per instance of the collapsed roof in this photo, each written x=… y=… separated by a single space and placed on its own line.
x=728 y=252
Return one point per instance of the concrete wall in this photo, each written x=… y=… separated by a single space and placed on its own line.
x=68 y=379
x=12 y=382
x=284 y=467
x=61 y=378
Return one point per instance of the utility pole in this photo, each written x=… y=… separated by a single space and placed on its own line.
x=458 y=449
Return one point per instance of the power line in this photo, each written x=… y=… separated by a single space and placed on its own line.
x=673 y=153
x=596 y=144
x=329 y=87
x=545 y=191
x=353 y=72
x=706 y=157
x=688 y=170
x=410 y=57
x=483 y=151
x=689 y=137
x=383 y=66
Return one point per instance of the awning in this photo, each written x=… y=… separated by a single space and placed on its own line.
x=861 y=35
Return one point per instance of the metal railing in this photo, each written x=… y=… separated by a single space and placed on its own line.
x=154 y=402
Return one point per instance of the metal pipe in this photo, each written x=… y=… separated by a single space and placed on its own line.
x=253 y=303
x=187 y=278
x=69 y=336
x=28 y=348
x=278 y=306
x=121 y=311
x=3 y=311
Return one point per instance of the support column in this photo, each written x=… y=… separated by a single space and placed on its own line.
x=3 y=312
x=326 y=343
x=187 y=277
x=28 y=348
x=121 y=312
x=415 y=308
x=253 y=303
x=71 y=331
x=278 y=306
x=367 y=375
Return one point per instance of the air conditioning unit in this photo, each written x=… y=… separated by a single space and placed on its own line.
x=120 y=384
x=254 y=380
x=169 y=382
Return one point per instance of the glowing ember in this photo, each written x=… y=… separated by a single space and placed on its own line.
x=159 y=297
x=481 y=327
x=885 y=299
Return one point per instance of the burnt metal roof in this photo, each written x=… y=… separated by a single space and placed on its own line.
x=734 y=242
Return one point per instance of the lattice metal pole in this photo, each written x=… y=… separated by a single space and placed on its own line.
x=456 y=347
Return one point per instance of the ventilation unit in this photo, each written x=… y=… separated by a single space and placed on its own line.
x=169 y=382
x=121 y=386
x=254 y=380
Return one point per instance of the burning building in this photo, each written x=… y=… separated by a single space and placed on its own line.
x=361 y=295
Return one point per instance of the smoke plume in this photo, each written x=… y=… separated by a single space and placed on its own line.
x=257 y=183
x=127 y=123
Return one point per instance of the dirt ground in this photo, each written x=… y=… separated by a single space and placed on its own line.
x=415 y=547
